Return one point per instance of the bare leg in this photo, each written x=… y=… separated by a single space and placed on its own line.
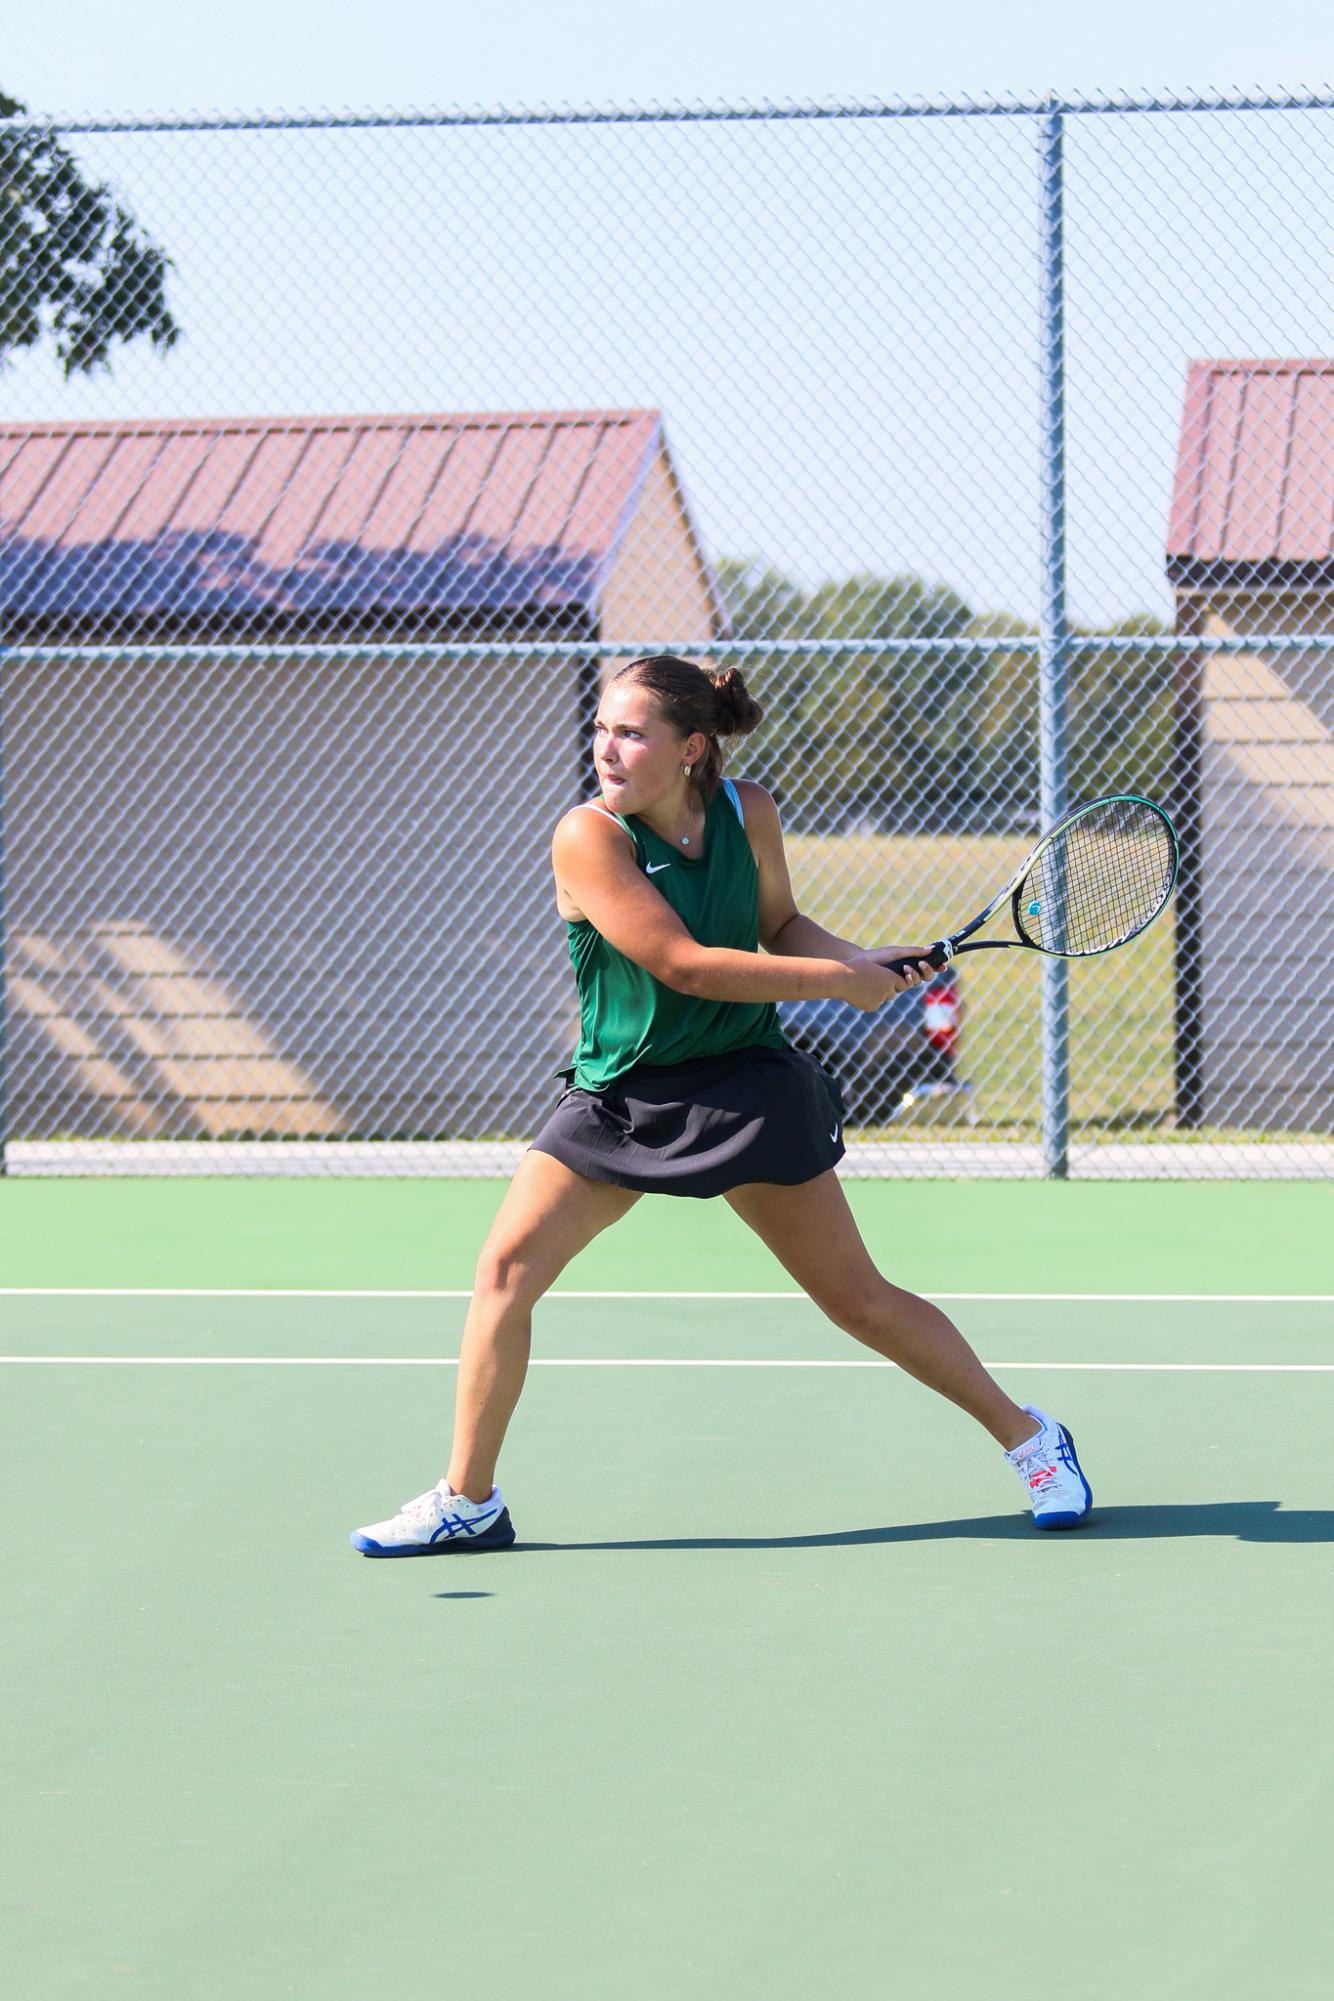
x=812 y=1232
x=548 y=1214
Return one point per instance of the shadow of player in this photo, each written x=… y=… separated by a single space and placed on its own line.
x=1244 y=1521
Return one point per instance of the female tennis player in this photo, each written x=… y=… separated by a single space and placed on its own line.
x=683 y=1084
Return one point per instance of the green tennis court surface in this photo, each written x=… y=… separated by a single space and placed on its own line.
x=780 y=1696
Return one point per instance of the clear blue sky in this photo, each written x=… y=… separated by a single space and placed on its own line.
x=838 y=322
x=150 y=54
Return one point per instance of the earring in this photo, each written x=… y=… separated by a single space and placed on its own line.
x=685 y=771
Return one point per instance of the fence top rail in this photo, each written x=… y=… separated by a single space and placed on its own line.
x=1316 y=98
x=565 y=649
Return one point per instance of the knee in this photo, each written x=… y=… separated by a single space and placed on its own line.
x=862 y=1307
x=504 y=1273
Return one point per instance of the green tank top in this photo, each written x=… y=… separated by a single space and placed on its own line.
x=626 y=1017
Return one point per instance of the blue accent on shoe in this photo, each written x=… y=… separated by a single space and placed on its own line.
x=499 y=1535
x=1067 y=1455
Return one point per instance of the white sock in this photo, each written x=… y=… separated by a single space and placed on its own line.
x=1027 y=1446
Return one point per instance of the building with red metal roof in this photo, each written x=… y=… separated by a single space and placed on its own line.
x=1250 y=553
x=1253 y=499
x=276 y=863
x=353 y=527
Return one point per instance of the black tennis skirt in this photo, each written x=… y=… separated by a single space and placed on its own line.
x=701 y=1128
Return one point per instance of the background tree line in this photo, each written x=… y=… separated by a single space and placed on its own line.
x=941 y=738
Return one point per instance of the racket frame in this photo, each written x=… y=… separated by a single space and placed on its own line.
x=949 y=948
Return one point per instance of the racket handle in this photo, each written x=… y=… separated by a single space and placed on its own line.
x=940 y=955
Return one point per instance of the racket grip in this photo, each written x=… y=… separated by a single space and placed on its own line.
x=940 y=955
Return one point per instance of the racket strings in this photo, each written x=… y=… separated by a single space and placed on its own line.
x=1099 y=880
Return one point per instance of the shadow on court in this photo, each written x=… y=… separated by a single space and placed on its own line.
x=1245 y=1521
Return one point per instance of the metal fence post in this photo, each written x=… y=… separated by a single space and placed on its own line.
x=1053 y=652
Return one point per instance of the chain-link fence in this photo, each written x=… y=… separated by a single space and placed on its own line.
x=996 y=442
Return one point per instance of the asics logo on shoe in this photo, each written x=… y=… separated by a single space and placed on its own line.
x=458 y=1525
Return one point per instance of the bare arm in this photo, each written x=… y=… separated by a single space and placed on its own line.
x=595 y=870
x=803 y=934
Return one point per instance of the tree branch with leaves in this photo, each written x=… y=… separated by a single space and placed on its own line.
x=75 y=266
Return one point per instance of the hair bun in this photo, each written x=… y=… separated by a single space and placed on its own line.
x=738 y=711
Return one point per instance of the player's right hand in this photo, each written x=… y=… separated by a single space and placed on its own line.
x=869 y=985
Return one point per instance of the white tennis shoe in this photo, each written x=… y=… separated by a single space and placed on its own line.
x=1059 y=1494
x=439 y=1522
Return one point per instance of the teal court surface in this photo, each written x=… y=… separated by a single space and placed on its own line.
x=778 y=1696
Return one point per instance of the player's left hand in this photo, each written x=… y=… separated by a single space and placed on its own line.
x=918 y=975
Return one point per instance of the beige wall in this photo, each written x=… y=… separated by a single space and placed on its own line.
x=1267 y=889
x=285 y=896
x=659 y=589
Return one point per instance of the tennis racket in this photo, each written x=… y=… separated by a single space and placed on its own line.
x=1094 y=882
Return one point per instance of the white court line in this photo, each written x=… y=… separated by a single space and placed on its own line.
x=628 y=1362
x=330 y=1292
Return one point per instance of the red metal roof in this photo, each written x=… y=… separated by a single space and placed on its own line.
x=360 y=521
x=1255 y=466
